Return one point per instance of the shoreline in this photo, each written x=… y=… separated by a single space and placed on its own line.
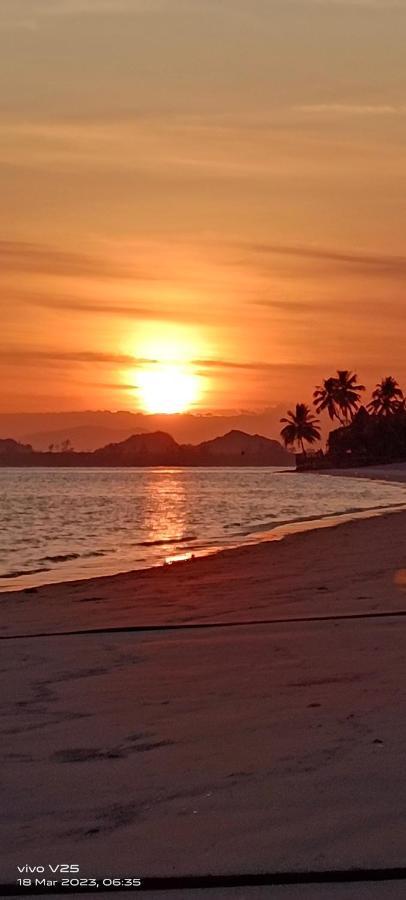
x=219 y=585
x=394 y=473
x=205 y=749
x=258 y=537
x=278 y=533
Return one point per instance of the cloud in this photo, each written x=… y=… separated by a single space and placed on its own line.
x=66 y=304
x=377 y=263
x=131 y=142
x=153 y=311
x=68 y=8
x=21 y=256
x=29 y=14
x=41 y=356
x=113 y=386
x=306 y=307
x=351 y=109
x=383 y=5
x=232 y=365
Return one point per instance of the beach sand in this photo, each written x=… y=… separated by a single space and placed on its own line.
x=352 y=891
x=252 y=748
x=391 y=472
x=389 y=890
x=351 y=567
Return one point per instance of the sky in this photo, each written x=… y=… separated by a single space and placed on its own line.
x=212 y=185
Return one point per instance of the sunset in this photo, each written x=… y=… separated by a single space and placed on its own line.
x=231 y=167
x=203 y=447
x=165 y=378
x=168 y=388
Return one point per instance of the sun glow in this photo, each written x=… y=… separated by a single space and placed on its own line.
x=166 y=379
x=167 y=388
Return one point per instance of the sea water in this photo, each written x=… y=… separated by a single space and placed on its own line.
x=59 y=524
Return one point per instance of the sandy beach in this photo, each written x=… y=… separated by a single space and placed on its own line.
x=390 y=472
x=263 y=746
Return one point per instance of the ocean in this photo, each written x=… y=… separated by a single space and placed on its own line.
x=64 y=524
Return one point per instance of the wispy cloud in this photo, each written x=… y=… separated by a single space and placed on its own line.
x=234 y=365
x=170 y=147
x=20 y=256
x=378 y=264
x=148 y=311
x=31 y=14
x=289 y=307
x=68 y=8
x=383 y=5
x=24 y=10
x=41 y=356
x=351 y=109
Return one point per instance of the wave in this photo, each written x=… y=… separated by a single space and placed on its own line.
x=164 y=542
x=18 y=573
x=297 y=520
x=60 y=557
x=91 y=553
x=67 y=557
x=224 y=508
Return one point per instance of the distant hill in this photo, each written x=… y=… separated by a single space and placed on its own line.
x=154 y=449
x=13 y=450
x=252 y=449
x=236 y=448
x=90 y=429
x=81 y=437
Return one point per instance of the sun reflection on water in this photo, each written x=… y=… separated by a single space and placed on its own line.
x=166 y=509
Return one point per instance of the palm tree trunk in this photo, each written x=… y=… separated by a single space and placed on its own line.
x=302 y=446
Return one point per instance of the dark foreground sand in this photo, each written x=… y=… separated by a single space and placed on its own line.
x=379 y=891
x=246 y=749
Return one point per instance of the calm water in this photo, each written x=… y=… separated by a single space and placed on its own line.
x=58 y=524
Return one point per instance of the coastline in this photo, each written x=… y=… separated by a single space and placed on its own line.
x=36 y=579
x=310 y=569
x=202 y=751
x=392 y=472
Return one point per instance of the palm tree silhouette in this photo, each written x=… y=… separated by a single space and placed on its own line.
x=300 y=426
x=325 y=397
x=347 y=393
x=387 y=397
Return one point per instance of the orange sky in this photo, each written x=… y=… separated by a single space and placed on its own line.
x=222 y=180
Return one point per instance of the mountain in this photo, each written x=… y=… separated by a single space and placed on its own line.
x=157 y=449
x=248 y=449
x=13 y=453
x=90 y=429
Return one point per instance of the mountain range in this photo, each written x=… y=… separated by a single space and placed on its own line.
x=91 y=429
x=236 y=448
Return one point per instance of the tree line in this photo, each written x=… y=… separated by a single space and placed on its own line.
x=340 y=396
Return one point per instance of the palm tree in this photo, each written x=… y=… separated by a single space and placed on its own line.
x=387 y=397
x=347 y=393
x=300 y=426
x=325 y=397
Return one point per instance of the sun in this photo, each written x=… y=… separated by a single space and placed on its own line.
x=167 y=388
x=167 y=379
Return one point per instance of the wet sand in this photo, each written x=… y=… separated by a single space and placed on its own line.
x=350 y=568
